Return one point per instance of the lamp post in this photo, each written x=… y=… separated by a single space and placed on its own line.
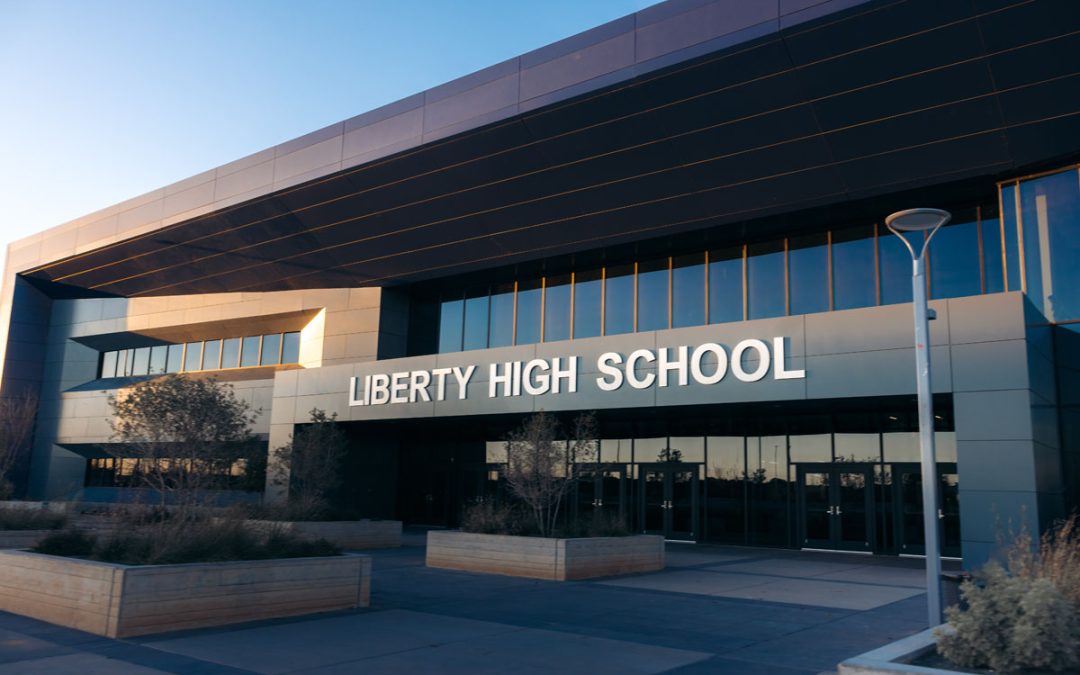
x=924 y=221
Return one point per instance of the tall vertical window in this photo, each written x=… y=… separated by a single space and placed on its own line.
x=271 y=350
x=230 y=353
x=653 y=293
x=158 y=357
x=992 y=259
x=290 y=348
x=1050 y=210
x=1010 y=232
x=476 y=319
x=193 y=356
x=451 y=314
x=896 y=267
x=557 y=308
x=175 y=359
x=619 y=300
x=211 y=355
x=726 y=285
x=588 y=290
x=529 y=299
x=108 y=364
x=953 y=261
x=249 y=351
x=854 y=282
x=141 y=361
x=808 y=265
x=765 y=291
x=688 y=290
x=501 y=325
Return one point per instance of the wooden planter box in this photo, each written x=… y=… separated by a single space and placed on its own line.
x=22 y=538
x=348 y=534
x=125 y=600
x=540 y=558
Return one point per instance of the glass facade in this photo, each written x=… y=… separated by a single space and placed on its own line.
x=846 y=268
x=253 y=350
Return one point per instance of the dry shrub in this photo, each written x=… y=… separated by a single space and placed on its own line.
x=31 y=519
x=1024 y=614
x=487 y=517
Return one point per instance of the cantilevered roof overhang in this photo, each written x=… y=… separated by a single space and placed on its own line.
x=879 y=98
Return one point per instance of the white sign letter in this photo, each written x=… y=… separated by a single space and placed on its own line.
x=737 y=360
x=603 y=364
x=543 y=380
x=495 y=379
x=780 y=372
x=463 y=380
x=570 y=375
x=665 y=366
x=721 y=363
x=631 y=369
x=440 y=382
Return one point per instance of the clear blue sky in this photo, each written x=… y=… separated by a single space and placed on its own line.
x=108 y=99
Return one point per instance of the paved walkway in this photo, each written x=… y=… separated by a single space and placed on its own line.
x=713 y=610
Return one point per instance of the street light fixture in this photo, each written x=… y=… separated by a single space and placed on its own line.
x=926 y=221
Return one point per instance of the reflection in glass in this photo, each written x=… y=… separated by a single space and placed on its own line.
x=901 y=446
x=765 y=294
x=529 y=298
x=895 y=268
x=290 y=348
x=725 y=489
x=615 y=450
x=557 y=308
x=141 y=361
x=175 y=359
x=650 y=450
x=249 y=351
x=1050 y=208
x=810 y=448
x=587 y=293
x=211 y=354
x=992 y=260
x=501 y=328
x=476 y=319
x=854 y=284
x=945 y=446
x=271 y=350
x=158 y=356
x=857 y=447
x=688 y=448
x=808 y=262
x=688 y=290
x=726 y=285
x=953 y=261
x=193 y=356
x=108 y=364
x=450 y=325
x=653 y=294
x=766 y=458
x=619 y=300
x=495 y=452
x=1010 y=232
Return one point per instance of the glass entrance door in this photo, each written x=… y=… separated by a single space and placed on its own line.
x=836 y=506
x=908 y=510
x=602 y=490
x=669 y=500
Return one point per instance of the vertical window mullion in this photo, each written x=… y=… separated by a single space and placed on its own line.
x=982 y=256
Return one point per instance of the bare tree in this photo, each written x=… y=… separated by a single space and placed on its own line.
x=183 y=436
x=17 y=415
x=540 y=466
x=311 y=465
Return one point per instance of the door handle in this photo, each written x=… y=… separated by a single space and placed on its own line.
x=940 y=514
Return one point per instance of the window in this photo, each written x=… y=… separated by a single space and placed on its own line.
x=688 y=290
x=211 y=355
x=158 y=357
x=557 y=308
x=808 y=264
x=619 y=300
x=953 y=261
x=108 y=364
x=587 y=302
x=653 y=292
x=141 y=361
x=854 y=282
x=193 y=356
x=726 y=285
x=174 y=359
x=896 y=267
x=249 y=351
x=992 y=260
x=529 y=298
x=271 y=350
x=765 y=291
x=450 y=325
x=1050 y=210
x=501 y=328
x=476 y=319
x=230 y=353
x=290 y=348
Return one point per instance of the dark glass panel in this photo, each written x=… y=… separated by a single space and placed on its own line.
x=290 y=348
x=808 y=264
x=725 y=490
x=175 y=359
x=501 y=325
x=954 y=261
x=529 y=300
x=818 y=506
x=857 y=447
x=124 y=362
x=765 y=295
x=211 y=355
x=688 y=290
x=896 y=268
x=653 y=293
x=450 y=325
x=1050 y=208
x=587 y=293
x=992 y=257
x=141 y=361
x=726 y=285
x=766 y=458
x=1010 y=232
x=476 y=319
x=852 y=493
x=810 y=447
x=108 y=364
x=616 y=450
x=249 y=351
x=271 y=350
x=686 y=449
x=854 y=283
x=619 y=300
x=193 y=356
x=557 y=308
x=158 y=356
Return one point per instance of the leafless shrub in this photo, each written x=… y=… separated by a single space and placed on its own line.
x=17 y=414
x=310 y=465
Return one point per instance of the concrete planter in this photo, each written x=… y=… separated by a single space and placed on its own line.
x=124 y=600
x=539 y=558
x=22 y=538
x=895 y=657
x=348 y=534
